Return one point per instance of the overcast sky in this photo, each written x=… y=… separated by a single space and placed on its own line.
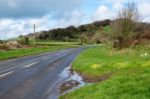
x=18 y=16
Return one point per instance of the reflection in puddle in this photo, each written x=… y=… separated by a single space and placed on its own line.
x=72 y=81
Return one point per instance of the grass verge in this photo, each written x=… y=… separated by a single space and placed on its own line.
x=128 y=69
x=29 y=51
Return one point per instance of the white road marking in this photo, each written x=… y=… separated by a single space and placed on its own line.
x=29 y=65
x=32 y=60
x=47 y=58
x=5 y=74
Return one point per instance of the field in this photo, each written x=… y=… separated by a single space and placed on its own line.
x=113 y=74
x=56 y=43
x=40 y=47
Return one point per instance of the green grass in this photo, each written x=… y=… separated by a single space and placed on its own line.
x=29 y=51
x=56 y=43
x=106 y=29
x=130 y=70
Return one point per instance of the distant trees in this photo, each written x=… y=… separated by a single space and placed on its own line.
x=102 y=23
x=84 y=38
x=1 y=41
x=124 y=26
x=72 y=33
x=97 y=38
x=60 y=33
x=23 y=40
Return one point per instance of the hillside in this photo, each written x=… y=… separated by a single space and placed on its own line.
x=98 y=31
x=72 y=32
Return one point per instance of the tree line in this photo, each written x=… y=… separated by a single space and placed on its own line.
x=72 y=33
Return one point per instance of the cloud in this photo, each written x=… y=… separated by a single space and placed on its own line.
x=74 y=18
x=10 y=28
x=102 y=13
x=111 y=1
x=118 y=6
x=18 y=16
x=109 y=8
x=36 y=8
x=145 y=12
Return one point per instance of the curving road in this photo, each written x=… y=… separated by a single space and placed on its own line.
x=36 y=76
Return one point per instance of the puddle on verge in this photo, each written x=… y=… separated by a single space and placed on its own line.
x=72 y=81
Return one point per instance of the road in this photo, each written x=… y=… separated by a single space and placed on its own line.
x=35 y=76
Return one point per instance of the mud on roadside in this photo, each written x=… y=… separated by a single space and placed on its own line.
x=96 y=79
x=77 y=80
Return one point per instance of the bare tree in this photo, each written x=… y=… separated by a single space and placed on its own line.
x=84 y=38
x=125 y=24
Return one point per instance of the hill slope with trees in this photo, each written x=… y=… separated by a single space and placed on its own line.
x=99 y=32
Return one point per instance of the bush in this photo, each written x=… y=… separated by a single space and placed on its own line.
x=124 y=26
x=84 y=39
x=1 y=42
x=4 y=47
x=24 y=40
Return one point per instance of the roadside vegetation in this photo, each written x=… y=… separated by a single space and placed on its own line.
x=57 y=43
x=115 y=74
x=38 y=47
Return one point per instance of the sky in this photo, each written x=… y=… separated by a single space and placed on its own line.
x=18 y=16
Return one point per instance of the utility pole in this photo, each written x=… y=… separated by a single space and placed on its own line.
x=34 y=33
x=66 y=39
x=34 y=28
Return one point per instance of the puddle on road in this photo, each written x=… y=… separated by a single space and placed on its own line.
x=72 y=81
x=68 y=81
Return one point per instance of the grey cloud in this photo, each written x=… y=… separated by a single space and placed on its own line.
x=12 y=28
x=36 y=8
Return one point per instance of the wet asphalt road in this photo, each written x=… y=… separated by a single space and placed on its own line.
x=36 y=76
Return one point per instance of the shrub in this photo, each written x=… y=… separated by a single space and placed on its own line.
x=24 y=40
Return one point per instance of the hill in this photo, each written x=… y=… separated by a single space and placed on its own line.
x=72 y=32
x=98 y=31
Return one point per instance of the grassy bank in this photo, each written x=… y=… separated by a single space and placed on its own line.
x=56 y=43
x=32 y=50
x=120 y=74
